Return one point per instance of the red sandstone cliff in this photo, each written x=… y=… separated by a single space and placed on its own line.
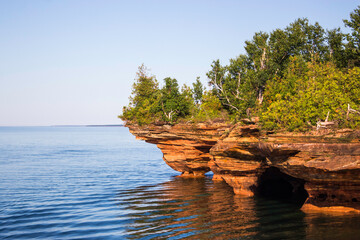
x=322 y=168
x=185 y=147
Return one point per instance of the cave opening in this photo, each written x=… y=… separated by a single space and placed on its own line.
x=275 y=184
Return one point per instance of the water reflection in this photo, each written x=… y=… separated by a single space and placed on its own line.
x=202 y=209
x=325 y=226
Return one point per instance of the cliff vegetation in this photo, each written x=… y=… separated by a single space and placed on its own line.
x=297 y=78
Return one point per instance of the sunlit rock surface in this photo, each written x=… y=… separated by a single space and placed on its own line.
x=319 y=170
x=185 y=147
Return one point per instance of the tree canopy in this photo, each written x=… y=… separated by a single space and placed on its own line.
x=143 y=102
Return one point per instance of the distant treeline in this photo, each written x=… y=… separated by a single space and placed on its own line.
x=291 y=78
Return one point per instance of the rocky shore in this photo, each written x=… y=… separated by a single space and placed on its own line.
x=318 y=170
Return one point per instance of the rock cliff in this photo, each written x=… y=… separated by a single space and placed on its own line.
x=319 y=170
x=185 y=147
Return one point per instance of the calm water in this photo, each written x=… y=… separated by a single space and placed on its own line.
x=101 y=183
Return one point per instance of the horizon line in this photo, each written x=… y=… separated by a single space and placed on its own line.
x=68 y=125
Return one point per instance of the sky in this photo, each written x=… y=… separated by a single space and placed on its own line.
x=73 y=62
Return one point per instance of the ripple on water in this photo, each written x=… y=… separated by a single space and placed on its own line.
x=99 y=183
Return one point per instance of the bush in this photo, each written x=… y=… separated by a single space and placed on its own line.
x=307 y=93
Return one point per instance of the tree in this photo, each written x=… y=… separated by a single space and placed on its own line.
x=352 y=47
x=173 y=103
x=258 y=51
x=307 y=93
x=198 y=90
x=210 y=107
x=336 y=44
x=145 y=95
x=292 y=77
x=230 y=84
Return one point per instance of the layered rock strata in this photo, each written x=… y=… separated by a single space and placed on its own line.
x=322 y=168
x=185 y=147
x=237 y=160
x=326 y=166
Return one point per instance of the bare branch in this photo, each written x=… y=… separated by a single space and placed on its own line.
x=237 y=96
x=238 y=85
x=260 y=96
x=327 y=116
x=224 y=95
x=262 y=60
x=325 y=124
x=350 y=110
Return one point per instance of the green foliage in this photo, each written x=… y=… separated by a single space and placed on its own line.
x=337 y=52
x=307 y=86
x=307 y=93
x=352 y=47
x=351 y=85
x=173 y=103
x=142 y=108
x=233 y=85
x=198 y=90
x=241 y=84
x=291 y=77
x=210 y=107
x=354 y=24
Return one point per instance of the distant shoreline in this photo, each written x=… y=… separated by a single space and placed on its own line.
x=98 y=125
x=105 y=125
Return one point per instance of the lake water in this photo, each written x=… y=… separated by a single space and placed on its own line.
x=101 y=183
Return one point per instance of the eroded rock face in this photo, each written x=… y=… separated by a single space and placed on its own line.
x=326 y=166
x=185 y=147
x=237 y=159
x=321 y=167
x=331 y=170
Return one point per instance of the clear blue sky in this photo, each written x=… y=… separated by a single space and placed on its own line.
x=74 y=61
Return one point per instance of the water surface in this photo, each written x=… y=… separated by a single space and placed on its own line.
x=101 y=183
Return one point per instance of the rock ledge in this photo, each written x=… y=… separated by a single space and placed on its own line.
x=320 y=170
